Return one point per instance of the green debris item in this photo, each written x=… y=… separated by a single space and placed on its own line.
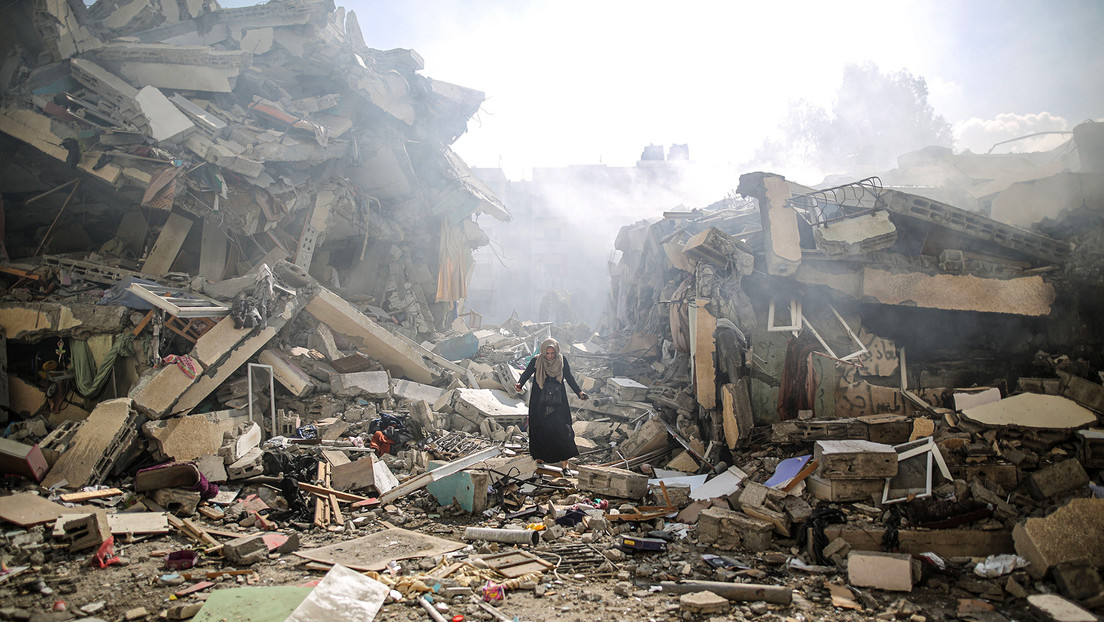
x=252 y=604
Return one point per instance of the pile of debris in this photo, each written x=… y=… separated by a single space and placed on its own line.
x=232 y=357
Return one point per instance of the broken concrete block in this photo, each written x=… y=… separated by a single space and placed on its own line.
x=177 y=501
x=1064 y=477
x=87 y=531
x=250 y=464
x=884 y=571
x=650 y=436
x=852 y=459
x=1070 y=533
x=287 y=373
x=1088 y=394
x=107 y=434
x=246 y=550
x=626 y=390
x=371 y=384
x=613 y=482
x=703 y=603
x=728 y=529
x=845 y=489
x=683 y=462
x=192 y=436
x=477 y=404
x=838 y=547
x=413 y=391
x=598 y=430
x=212 y=467
x=166 y=121
x=1078 y=581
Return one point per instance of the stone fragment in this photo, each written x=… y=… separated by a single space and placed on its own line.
x=1056 y=479
x=884 y=571
x=703 y=602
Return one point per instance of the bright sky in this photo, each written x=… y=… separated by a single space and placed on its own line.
x=582 y=82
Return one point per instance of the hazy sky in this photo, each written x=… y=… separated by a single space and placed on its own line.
x=573 y=82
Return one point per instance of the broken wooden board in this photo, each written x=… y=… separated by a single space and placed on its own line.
x=372 y=552
x=1032 y=410
x=27 y=509
x=78 y=497
x=516 y=563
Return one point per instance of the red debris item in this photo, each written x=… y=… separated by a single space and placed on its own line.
x=494 y=593
x=105 y=555
x=381 y=443
x=457 y=618
x=60 y=605
x=181 y=560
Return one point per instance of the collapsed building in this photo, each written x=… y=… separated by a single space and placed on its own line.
x=237 y=241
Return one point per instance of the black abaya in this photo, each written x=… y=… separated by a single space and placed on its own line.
x=551 y=438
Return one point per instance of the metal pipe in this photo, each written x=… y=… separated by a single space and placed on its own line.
x=509 y=536
x=433 y=613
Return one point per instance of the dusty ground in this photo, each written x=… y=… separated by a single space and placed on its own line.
x=561 y=595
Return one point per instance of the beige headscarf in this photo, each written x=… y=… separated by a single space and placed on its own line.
x=546 y=368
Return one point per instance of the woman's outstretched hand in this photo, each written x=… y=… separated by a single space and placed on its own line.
x=517 y=387
x=583 y=396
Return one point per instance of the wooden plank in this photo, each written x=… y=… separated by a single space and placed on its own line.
x=326 y=491
x=78 y=497
x=212 y=254
x=167 y=246
x=354 y=475
x=321 y=515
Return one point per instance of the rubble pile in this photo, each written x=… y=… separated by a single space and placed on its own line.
x=237 y=384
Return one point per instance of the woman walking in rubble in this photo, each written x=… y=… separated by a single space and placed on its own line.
x=551 y=438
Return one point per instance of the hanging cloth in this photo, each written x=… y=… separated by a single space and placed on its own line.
x=90 y=380
x=799 y=381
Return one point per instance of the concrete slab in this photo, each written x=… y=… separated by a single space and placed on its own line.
x=166 y=121
x=1029 y=295
x=395 y=352
x=490 y=403
x=1032 y=410
x=372 y=384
